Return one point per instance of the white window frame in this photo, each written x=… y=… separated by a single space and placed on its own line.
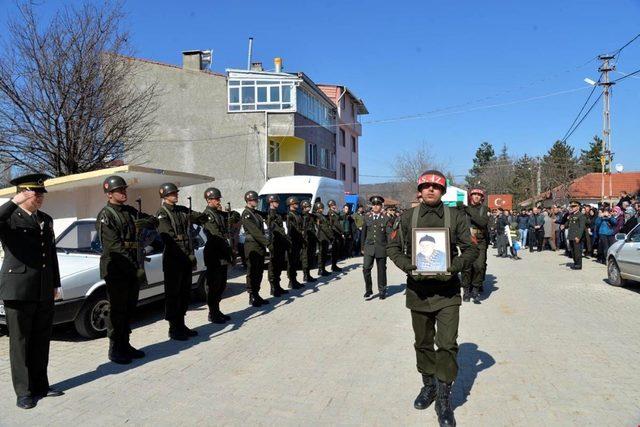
x=269 y=105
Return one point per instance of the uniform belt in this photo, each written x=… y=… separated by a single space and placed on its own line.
x=131 y=245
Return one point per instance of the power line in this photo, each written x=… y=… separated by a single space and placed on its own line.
x=583 y=117
x=626 y=76
x=569 y=131
x=616 y=52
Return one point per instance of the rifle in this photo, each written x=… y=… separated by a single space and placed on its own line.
x=140 y=255
x=194 y=260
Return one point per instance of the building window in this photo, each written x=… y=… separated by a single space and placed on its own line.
x=260 y=95
x=274 y=151
x=343 y=172
x=313 y=154
x=354 y=173
x=343 y=139
x=332 y=162
x=314 y=109
x=354 y=144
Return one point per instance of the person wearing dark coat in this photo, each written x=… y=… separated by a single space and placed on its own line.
x=374 y=246
x=29 y=284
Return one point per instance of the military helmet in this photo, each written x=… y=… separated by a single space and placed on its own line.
x=273 y=198
x=432 y=177
x=292 y=201
x=318 y=205
x=376 y=200
x=212 y=193
x=113 y=182
x=305 y=204
x=331 y=203
x=477 y=191
x=250 y=195
x=167 y=188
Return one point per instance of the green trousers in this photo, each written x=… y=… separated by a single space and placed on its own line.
x=474 y=275
x=439 y=328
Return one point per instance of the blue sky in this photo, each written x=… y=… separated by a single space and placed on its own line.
x=412 y=57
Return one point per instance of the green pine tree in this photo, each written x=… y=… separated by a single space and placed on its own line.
x=590 y=158
x=485 y=154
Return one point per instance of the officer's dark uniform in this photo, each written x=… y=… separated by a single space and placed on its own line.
x=217 y=256
x=434 y=301
x=577 y=228
x=178 y=261
x=28 y=278
x=255 y=249
x=120 y=269
x=296 y=235
x=324 y=237
x=374 y=247
x=278 y=247
x=537 y=234
x=309 y=243
x=337 y=239
x=473 y=277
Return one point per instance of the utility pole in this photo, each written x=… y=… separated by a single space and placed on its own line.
x=606 y=157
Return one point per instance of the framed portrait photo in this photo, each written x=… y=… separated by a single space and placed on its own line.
x=430 y=252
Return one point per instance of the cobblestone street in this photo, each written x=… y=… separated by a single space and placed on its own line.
x=548 y=346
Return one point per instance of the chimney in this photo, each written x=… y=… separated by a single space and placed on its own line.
x=196 y=60
x=256 y=66
x=278 y=64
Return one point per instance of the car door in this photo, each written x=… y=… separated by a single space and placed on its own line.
x=629 y=256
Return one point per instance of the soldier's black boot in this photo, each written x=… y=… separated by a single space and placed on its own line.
x=475 y=295
x=323 y=272
x=253 y=301
x=176 y=332
x=444 y=410
x=260 y=300
x=307 y=277
x=295 y=285
x=466 y=295
x=383 y=293
x=335 y=268
x=116 y=353
x=188 y=332
x=133 y=352
x=427 y=393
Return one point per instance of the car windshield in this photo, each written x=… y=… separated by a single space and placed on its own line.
x=263 y=205
x=81 y=236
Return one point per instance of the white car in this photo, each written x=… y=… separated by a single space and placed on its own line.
x=84 y=298
x=623 y=258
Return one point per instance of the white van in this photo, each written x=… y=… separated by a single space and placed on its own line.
x=304 y=187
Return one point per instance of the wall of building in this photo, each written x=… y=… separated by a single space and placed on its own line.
x=322 y=137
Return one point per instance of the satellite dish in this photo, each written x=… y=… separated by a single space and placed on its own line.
x=619 y=167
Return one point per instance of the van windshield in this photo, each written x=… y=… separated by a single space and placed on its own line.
x=263 y=205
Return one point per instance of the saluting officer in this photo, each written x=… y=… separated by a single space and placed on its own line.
x=178 y=259
x=374 y=246
x=296 y=236
x=324 y=237
x=337 y=236
x=434 y=301
x=473 y=277
x=577 y=229
x=255 y=248
x=278 y=246
x=309 y=242
x=218 y=254
x=29 y=283
x=119 y=227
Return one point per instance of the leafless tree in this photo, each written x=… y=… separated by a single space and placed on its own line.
x=410 y=164
x=67 y=101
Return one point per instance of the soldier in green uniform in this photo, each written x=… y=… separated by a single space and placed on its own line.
x=577 y=224
x=473 y=277
x=119 y=227
x=309 y=241
x=324 y=236
x=217 y=253
x=358 y=220
x=255 y=248
x=29 y=283
x=279 y=244
x=337 y=239
x=434 y=301
x=374 y=246
x=296 y=237
x=178 y=259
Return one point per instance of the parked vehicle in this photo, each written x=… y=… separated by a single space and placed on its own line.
x=312 y=188
x=623 y=258
x=84 y=298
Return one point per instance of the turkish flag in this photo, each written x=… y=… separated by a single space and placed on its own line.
x=504 y=201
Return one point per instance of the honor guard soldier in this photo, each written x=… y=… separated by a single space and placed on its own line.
x=309 y=242
x=296 y=236
x=178 y=259
x=29 y=284
x=577 y=224
x=473 y=277
x=374 y=246
x=218 y=254
x=255 y=248
x=434 y=301
x=337 y=236
x=119 y=228
x=278 y=246
x=324 y=237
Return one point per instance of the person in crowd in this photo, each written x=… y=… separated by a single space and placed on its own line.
x=358 y=220
x=536 y=230
x=348 y=230
x=547 y=227
x=630 y=219
x=523 y=227
x=492 y=227
x=502 y=228
x=605 y=224
x=618 y=214
x=624 y=197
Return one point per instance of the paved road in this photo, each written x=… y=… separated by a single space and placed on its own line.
x=549 y=346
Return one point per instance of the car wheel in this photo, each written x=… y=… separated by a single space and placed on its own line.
x=613 y=274
x=200 y=292
x=91 y=321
